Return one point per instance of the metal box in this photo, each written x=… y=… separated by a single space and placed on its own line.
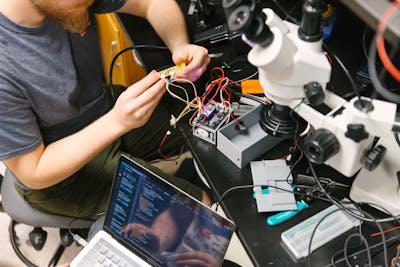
x=240 y=147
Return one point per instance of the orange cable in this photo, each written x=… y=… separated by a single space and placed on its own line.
x=380 y=41
x=386 y=231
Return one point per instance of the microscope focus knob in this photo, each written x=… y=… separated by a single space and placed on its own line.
x=320 y=146
x=314 y=93
x=373 y=157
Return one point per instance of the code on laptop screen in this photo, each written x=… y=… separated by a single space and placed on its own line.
x=163 y=223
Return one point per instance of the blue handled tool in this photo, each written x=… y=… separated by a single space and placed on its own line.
x=286 y=215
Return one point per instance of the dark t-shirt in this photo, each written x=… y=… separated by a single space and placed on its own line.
x=50 y=82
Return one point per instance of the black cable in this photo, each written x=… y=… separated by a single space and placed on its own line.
x=392 y=239
x=363 y=218
x=346 y=209
x=287 y=13
x=15 y=245
x=335 y=202
x=388 y=245
x=384 y=92
x=384 y=71
x=341 y=251
x=244 y=187
x=363 y=42
x=133 y=47
x=396 y=137
x=346 y=72
x=315 y=230
x=239 y=94
x=276 y=187
x=364 y=240
x=334 y=255
x=292 y=166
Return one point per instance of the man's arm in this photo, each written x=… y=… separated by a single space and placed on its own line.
x=49 y=165
x=167 y=20
x=165 y=16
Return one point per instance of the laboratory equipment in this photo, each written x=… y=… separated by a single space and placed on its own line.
x=294 y=72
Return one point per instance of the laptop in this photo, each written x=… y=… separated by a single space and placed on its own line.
x=150 y=222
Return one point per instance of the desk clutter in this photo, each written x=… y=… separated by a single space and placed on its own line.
x=234 y=129
x=224 y=120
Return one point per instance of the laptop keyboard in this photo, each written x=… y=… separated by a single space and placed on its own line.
x=105 y=255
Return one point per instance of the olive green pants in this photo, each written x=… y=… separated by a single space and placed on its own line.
x=86 y=193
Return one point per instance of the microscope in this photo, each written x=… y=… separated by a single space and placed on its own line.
x=356 y=137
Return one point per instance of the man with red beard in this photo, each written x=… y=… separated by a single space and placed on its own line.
x=60 y=135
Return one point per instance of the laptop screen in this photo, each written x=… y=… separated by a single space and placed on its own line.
x=162 y=222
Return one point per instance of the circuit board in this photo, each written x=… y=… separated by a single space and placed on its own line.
x=209 y=120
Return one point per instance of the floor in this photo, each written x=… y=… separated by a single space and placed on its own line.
x=8 y=258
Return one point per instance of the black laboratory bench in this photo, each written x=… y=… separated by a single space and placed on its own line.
x=262 y=242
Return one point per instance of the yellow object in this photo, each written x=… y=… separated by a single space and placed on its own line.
x=329 y=11
x=171 y=70
x=113 y=39
x=251 y=87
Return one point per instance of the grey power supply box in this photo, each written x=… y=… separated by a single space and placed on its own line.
x=241 y=147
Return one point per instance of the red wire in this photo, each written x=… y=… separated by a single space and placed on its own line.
x=161 y=144
x=380 y=41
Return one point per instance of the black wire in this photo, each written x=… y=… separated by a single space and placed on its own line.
x=346 y=72
x=388 y=245
x=315 y=230
x=346 y=209
x=133 y=47
x=392 y=239
x=396 y=137
x=364 y=240
x=244 y=187
x=15 y=245
x=276 y=187
x=363 y=218
x=292 y=166
x=288 y=15
x=383 y=91
x=334 y=256
x=295 y=137
x=252 y=97
x=335 y=202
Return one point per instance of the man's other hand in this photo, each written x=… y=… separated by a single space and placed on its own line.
x=196 y=59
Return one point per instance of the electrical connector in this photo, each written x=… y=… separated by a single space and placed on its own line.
x=172 y=120
x=168 y=72
x=78 y=239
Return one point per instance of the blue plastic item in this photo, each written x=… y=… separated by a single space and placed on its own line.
x=286 y=215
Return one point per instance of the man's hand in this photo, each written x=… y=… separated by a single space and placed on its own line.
x=136 y=104
x=196 y=259
x=196 y=59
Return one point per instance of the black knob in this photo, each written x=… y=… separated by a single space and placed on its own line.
x=38 y=237
x=373 y=157
x=314 y=93
x=66 y=237
x=320 y=146
x=356 y=132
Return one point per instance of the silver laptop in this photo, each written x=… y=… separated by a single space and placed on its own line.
x=150 y=222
